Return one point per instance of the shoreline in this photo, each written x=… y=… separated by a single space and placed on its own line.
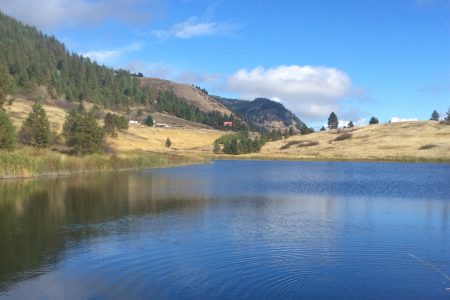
x=38 y=163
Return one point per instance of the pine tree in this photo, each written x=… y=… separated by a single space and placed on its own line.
x=435 y=116
x=447 y=119
x=82 y=133
x=373 y=121
x=5 y=85
x=7 y=132
x=323 y=128
x=110 y=126
x=149 y=121
x=291 y=131
x=333 y=122
x=36 y=129
x=168 y=143
x=350 y=124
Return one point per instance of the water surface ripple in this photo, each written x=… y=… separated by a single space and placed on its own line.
x=230 y=230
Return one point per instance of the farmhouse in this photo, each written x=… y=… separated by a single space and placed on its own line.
x=162 y=125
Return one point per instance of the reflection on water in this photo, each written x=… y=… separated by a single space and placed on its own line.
x=230 y=230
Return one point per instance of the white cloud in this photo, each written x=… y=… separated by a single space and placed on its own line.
x=193 y=28
x=397 y=119
x=344 y=123
x=107 y=56
x=55 y=13
x=312 y=92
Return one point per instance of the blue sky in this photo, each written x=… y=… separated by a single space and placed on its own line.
x=389 y=59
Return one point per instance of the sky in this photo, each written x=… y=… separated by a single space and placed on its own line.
x=382 y=58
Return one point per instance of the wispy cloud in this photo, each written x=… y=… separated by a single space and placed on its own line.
x=107 y=56
x=54 y=13
x=194 y=28
x=312 y=92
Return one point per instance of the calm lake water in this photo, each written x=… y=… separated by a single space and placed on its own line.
x=230 y=230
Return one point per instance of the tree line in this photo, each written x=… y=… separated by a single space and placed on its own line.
x=33 y=59
x=170 y=103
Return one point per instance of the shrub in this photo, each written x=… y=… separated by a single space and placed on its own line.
x=299 y=144
x=427 y=146
x=344 y=136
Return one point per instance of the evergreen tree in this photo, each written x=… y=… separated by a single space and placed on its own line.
x=435 y=116
x=323 y=128
x=168 y=143
x=149 y=120
x=110 y=126
x=447 y=119
x=291 y=131
x=286 y=133
x=82 y=133
x=350 y=124
x=7 y=132
x=373 y=121
x=36 y=129
x=5 y=85
x=333 y=122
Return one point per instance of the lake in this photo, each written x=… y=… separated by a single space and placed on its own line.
x=230 y=230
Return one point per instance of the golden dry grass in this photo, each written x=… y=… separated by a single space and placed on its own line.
x=408 y=141
x=143 y=138
x=20 y=109
x=184 y=140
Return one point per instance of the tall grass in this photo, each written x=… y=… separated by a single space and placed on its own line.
x=30 y=162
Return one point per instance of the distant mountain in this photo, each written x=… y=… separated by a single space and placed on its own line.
x=264 y=114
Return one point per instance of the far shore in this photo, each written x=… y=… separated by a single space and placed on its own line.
x=33 y=163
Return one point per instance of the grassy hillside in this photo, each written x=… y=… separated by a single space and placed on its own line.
x=191 y=94
x=38 y=66
x=185 y=136
x=408 y=141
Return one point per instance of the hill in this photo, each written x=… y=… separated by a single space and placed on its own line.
x=40 y=67
x=190 y=94
x=265 y=114
x=408 y=141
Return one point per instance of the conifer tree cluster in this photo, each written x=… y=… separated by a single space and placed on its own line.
x=238 y=143
x=7 y=130
x=82 y=133
x=34 y=59
x=113 y=122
